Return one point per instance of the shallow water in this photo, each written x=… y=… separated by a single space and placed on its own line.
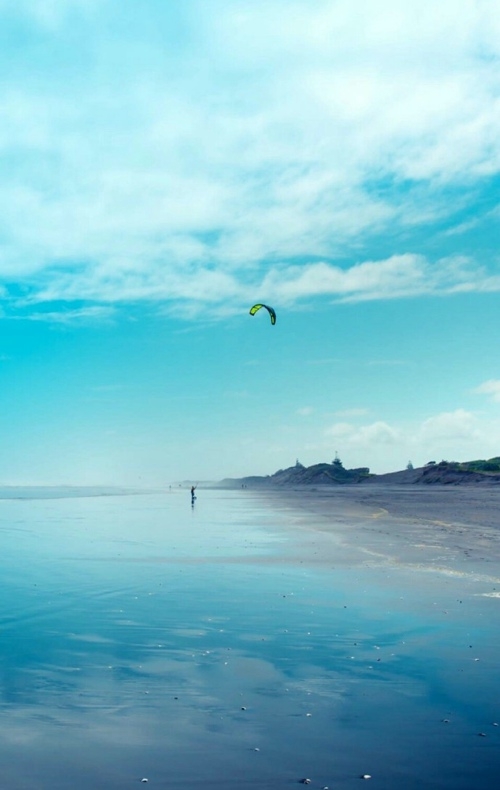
x=141 y=638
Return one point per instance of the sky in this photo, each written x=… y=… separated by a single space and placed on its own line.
x=165 y=165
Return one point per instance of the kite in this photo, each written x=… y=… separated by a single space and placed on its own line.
x=270 y=310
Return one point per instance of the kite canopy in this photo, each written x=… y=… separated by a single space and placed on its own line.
x=256 y=308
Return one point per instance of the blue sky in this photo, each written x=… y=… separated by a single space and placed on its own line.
x=163 y=166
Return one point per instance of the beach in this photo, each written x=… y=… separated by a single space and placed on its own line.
x=437 y=527
x=250 y=640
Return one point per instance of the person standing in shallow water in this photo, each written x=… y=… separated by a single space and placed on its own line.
x=193 y=497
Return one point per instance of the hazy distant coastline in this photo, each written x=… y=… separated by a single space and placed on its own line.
x=62 y=492
x=480 y=472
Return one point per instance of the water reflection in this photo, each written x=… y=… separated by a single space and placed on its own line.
x=141 y=639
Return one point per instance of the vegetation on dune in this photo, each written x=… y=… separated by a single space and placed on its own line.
x=491 y=465
x=320 y=473
x=442 y=473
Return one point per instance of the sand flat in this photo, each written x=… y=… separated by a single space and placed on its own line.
x=440 y=526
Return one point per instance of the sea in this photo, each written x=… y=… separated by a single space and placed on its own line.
x=146 y=640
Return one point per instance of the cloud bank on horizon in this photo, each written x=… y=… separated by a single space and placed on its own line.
x=192 y=155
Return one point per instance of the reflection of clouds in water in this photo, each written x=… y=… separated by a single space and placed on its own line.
x=93 y=638
x=148 y=669
x=319 y=684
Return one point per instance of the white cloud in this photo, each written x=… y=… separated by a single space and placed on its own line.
x=199 y=167
x=491 y=388
x=398 y=276
x=49 y=14
x=305 y=411
x=365 y=436
x=450 y=427
x=341 y=430
x=377 y=433
x=457 y=435
x=196 y=287
x=76 y=316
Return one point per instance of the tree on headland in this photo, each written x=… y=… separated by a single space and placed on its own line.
x=337 y=462
x=409 y=466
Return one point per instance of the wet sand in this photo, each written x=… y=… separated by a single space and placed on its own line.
x=441 y=528
x=252 y=641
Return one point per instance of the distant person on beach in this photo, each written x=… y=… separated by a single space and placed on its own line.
x=193 y=497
